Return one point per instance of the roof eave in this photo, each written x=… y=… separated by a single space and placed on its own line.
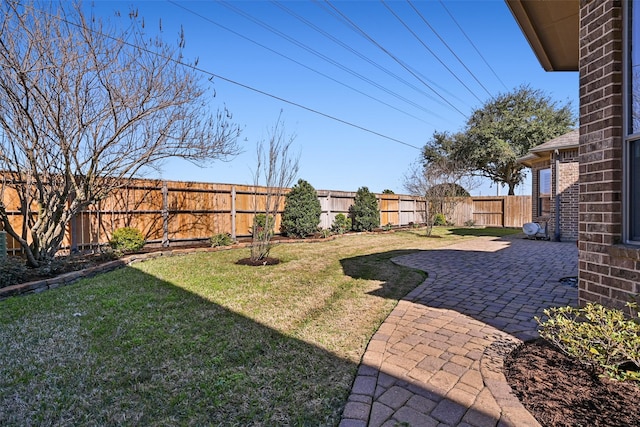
x=543 y=23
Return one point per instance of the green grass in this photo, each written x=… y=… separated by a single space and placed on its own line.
x=200 y=340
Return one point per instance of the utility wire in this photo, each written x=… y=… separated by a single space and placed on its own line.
x=180 y=5
x=351 y=27
x=323 y=57
x=212 y=76
x=448 y=47
x=404 y=24
x=395 y=58
x=352 y=50
x=472 y=44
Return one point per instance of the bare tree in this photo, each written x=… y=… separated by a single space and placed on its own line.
x=85 y=106
x=441 y=183
x=276 y=169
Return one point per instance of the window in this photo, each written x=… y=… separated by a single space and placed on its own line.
x=544 y=192
x=634 y=191
x=631 y=149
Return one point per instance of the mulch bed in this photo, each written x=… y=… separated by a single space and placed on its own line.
x=559 y=391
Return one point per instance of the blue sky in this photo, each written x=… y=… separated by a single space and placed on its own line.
x=306 y=53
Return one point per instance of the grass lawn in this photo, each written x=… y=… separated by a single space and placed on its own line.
x=200 y=340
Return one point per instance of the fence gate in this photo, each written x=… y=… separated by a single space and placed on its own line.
x=489 y=212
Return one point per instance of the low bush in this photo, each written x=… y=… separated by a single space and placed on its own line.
x=262 y=229
x=302 y=211
x=365 y=214
x=341 y=224
x=596 y=336
x=127 y=239
x=221 y=239
x=439 y=219
x=12 y=271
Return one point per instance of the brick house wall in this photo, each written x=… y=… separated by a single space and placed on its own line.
x=609 y=272
x=568 y=193
x=535 y=190
x=569 y=188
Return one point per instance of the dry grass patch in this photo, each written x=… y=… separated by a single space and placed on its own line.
x=199 y=340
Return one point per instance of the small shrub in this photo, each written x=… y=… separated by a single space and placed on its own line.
x=387 y=227
x=596 y=336
x=325 y=232
x=261 y=230
x=469 y=223
x=12 y=271
x=302 y=211
x=341 y=224
x=439 y=219
x=365 y=215
x=127 y=239
x=221 y=239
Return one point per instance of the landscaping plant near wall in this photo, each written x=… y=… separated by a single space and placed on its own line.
x=365 y=214
x=597 y=336
x=302 y=211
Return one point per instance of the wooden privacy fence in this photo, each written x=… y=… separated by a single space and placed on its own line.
x=175 y=212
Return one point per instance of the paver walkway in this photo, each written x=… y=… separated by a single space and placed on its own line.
x=437 y=359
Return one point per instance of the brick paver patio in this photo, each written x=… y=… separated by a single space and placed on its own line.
x=437 y=359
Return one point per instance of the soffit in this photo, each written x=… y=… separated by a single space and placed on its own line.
x=552 y=29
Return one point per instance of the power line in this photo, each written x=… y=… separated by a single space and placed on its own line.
x=212 y=75
x=352 y=50
x=303 y=65
x=323 y=57
x=472 y=44
x=448 y=47
x=429 y=50
x=425 y=78
x=395 y=58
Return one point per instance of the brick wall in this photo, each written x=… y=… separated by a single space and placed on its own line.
x=568 y=190
x=535 y=189
x=609 y=271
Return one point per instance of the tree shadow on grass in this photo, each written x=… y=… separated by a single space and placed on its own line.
x=397 y=280
x=126 y=347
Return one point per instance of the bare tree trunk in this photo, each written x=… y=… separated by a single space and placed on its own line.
x=280 y=170
x=85 y=107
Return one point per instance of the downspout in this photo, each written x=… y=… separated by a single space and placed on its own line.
x=556 y=233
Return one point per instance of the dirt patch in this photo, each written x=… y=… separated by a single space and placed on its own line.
x=559 y=391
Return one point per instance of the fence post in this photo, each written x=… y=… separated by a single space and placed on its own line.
x=165 y=214
x=233 y=212
x=329 y=210
x=73 y=225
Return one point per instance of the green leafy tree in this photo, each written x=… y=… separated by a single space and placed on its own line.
x=506 y=128
x=365 y=215
x=302 y=211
